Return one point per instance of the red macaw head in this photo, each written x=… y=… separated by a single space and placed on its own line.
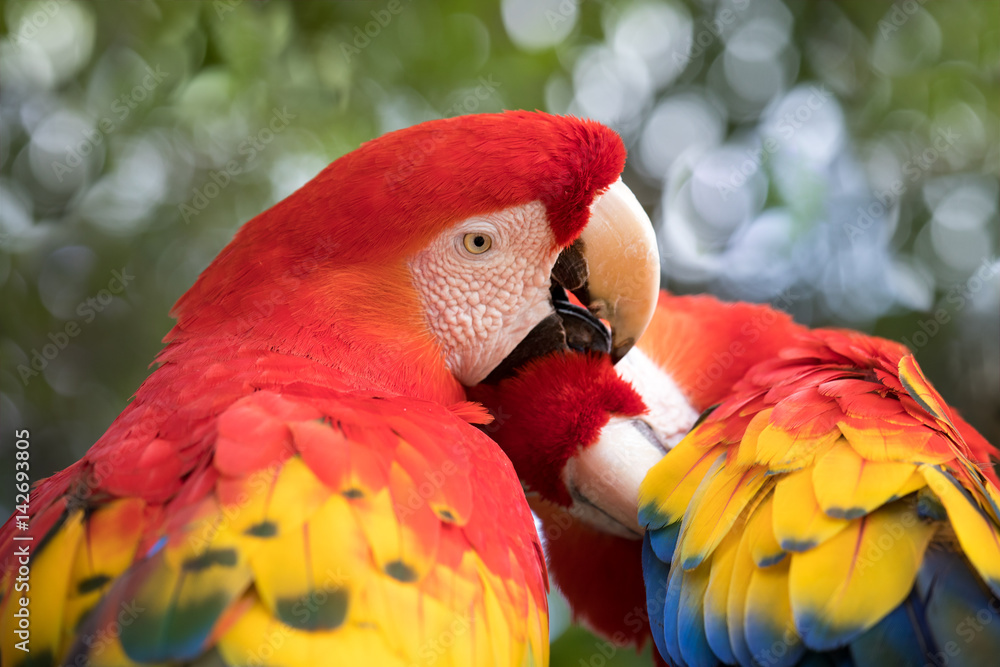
x=435 y=250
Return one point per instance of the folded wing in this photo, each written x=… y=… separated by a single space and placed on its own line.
x=348 y=528
x=832 y=507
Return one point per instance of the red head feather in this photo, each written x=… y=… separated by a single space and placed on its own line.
x=323 y=271
x=560 y=403
x=386 y=199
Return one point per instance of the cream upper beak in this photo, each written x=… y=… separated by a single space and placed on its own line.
x=619 y=246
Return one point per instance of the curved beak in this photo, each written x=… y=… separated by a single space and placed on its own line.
x=623 y=264
x=603 y=479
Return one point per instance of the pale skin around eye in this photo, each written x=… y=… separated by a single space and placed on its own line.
x=484 y=284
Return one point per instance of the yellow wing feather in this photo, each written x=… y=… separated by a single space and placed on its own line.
x=977 y=533
x=335 y=551
x=736 y=607
x=769 y=627
x=46 y=587
x=717 y=595
x=764 y=547
x=716 y=506
x=781 y=450
x=847 y=584
x=798 y=521
x=815 y=525
x=848 y=486
x=668 y=488
x=104 y=552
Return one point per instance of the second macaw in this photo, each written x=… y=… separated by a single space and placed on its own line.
x=747 y=491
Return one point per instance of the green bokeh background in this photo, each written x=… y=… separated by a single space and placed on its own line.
x=117 y=117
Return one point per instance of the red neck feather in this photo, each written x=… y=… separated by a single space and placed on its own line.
x=707 y=345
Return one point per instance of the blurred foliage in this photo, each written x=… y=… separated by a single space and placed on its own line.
x=839 y=160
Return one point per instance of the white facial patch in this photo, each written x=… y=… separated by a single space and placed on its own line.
x=670 y=414
x=481 y=303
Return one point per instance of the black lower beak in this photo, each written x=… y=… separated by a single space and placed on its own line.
x=570 y=327
x=584 y=332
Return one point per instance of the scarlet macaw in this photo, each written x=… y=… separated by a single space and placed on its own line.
x=300 y=482
x=827 y=507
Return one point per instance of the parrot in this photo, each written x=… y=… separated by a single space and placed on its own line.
x=749 y=491
x=302 y=479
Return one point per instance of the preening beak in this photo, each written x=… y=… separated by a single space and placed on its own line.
x=618 y=249
x=603 y=478
x=623 y=265
x=613 y=270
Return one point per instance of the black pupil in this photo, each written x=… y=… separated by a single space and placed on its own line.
x=479 y=241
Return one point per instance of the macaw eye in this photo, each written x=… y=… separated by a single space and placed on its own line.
x=477 y=243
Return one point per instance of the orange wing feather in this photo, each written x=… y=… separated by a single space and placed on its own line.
x=337 y=523
x=883 y=528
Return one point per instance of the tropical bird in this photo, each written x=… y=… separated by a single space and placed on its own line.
x=301 y=481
